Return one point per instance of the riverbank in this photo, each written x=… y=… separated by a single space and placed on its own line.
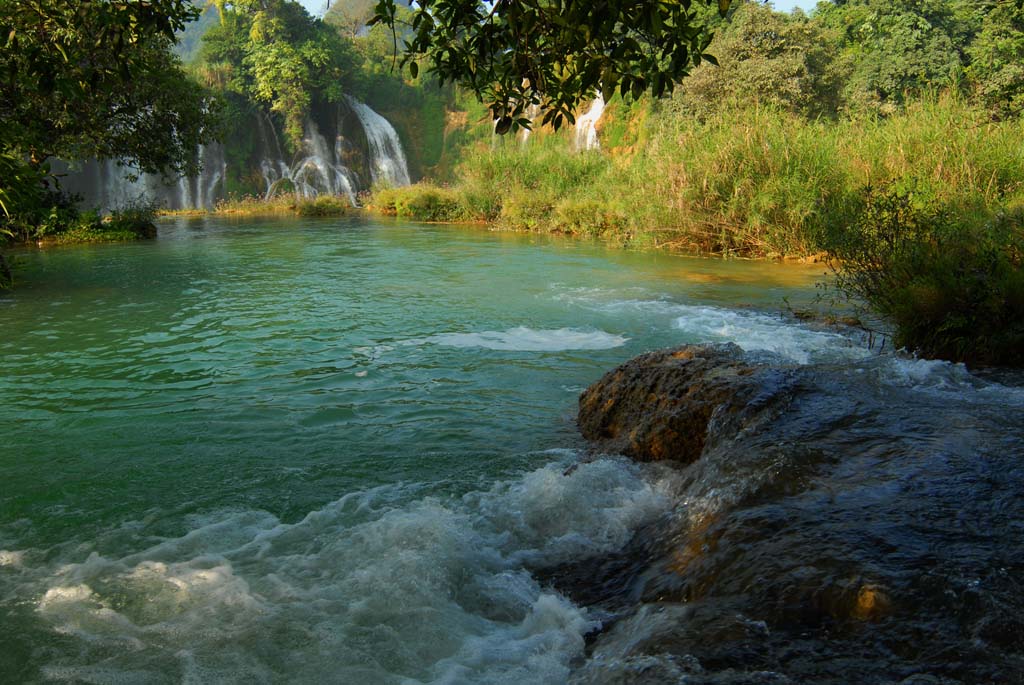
x=749 y=181
x=66 y=225
x=323 y=205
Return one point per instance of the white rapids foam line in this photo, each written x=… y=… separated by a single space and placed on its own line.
x=756 y=332
x=766 y=333
x=374 y=587
x=752 y=331
x=523 y=339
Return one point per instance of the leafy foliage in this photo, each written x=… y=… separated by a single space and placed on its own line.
x=82 y=79
x=771 y=59
x=895 y=49
x=555 y=54
x=274 y=53
x=97 y=79
x=997 y=61
x=952 y=289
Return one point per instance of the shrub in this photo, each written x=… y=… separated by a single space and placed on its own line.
x=137 y=220
x=951 y=285
x=322 y=205
x=590 y=217
x=527 y=210
x=422 y=202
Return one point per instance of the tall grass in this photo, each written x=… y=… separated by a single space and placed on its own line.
x=751 y=181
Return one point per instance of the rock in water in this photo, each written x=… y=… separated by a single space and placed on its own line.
x=670 y=404
x=858 y=522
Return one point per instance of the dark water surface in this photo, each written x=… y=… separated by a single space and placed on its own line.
x=333 y=451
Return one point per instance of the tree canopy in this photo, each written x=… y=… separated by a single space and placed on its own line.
x=273 y=52
x=554 y=53
x=82 y=79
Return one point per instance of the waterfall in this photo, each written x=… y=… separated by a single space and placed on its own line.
x=532 y=113
x=387 y=160
x=121 y=185
x=318 y=171
x=320 y=167
x=586 y=126
x=111 y=184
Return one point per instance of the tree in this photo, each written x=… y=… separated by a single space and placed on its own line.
x=900 y=47
x=350 y=16
x=81 y=79
x=273 y=52
x=768 y=58
x=997 y=61
x=90 y=78
x=554 y=53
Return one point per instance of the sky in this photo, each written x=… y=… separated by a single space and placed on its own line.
x=316 y=6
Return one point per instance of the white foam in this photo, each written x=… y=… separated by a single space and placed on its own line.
x=758 y=332
x=11 y=558
x=379 y=586
x=752 y=331
x=523 y=339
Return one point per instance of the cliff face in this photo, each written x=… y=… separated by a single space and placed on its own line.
x=834 y=524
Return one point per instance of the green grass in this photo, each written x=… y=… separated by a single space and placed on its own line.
x=750 y=182
x=249 y=205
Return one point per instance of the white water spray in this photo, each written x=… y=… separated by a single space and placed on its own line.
x=387 y=160
x=586 y=126
x=319 y=171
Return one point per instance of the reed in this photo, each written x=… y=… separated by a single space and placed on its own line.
x=751 y=181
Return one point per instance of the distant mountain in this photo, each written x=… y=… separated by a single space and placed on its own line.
x=190 y=39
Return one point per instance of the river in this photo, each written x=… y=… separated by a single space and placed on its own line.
x=338 y=450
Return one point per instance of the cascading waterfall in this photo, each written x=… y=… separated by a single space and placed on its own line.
x=121 y=185
x=387 y=160
x=319 y=171
x=532 y=113
x=586 y=126
x=110 y=184
x=320 y=167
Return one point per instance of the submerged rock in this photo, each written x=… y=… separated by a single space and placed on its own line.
x=834 y=524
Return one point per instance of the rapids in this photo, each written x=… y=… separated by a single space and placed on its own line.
x=345 y=451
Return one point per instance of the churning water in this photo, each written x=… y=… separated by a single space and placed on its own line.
x=331 y=451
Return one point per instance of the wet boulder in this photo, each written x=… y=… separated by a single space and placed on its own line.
x=672 y=404
x=855 y=521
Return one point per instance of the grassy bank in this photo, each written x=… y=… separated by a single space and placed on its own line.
x=67 y=225
x=325 y=205
x=750 y=182
x=924 y=209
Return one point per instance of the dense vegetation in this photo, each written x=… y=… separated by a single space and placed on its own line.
x=790 y=145
x=514 y=55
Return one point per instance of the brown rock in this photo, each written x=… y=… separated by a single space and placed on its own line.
x=663 y=405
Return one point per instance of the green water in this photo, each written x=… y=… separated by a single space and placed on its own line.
x=269 y=368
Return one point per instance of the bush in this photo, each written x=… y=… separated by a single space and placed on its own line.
x=951 y=285
x=422 y=202
x=590 y=217
x=323 y=205
x=137 y=220
x=527 y=210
